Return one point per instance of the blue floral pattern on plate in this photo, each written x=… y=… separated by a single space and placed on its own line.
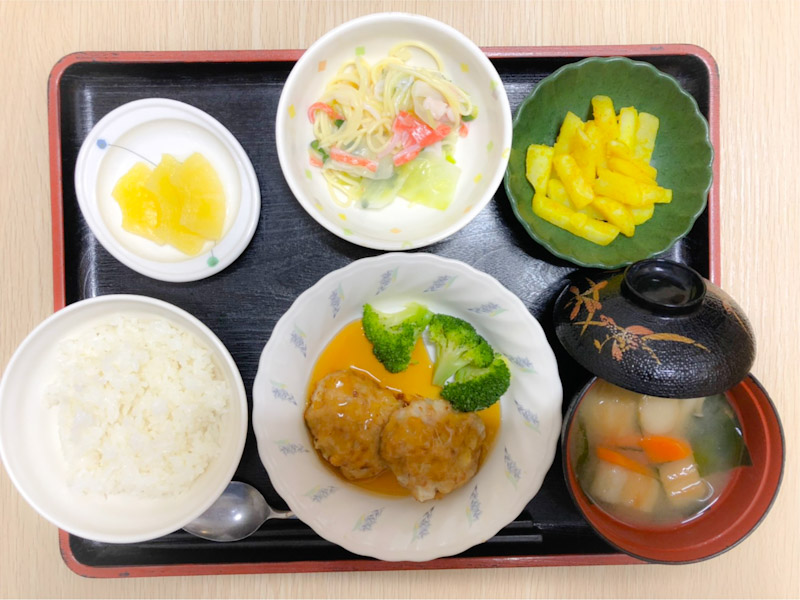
x=367 y=522
x=423 y=526
x=513 y=472
x=489 y=308
x=288 y=448
x=318 y=493
x=280 y=392
x=440 y=283
x=531 y=419
x=474 y=507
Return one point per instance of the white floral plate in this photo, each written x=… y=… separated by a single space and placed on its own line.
x=482 y=155
x=389 y=527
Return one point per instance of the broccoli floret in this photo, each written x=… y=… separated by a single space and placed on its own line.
x=457 y=345
x=476 y=388
x=394 y=335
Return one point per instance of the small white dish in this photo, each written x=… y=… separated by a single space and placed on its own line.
x=29 y=432
x=142 y=131
x=482 y=155
x=391 y=527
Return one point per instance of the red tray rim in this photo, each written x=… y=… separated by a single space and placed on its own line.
x=498 y=52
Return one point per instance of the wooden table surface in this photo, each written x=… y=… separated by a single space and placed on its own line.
x=756 y=47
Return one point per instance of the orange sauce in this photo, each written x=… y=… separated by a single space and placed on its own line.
x=351 y=349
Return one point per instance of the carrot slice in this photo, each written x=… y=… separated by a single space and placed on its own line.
x=619 y=459
x=662 y=449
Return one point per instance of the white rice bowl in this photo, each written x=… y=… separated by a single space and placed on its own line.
x=400 y=528
x=122 y=418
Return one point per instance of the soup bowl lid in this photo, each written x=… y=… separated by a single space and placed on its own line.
x=657 y=327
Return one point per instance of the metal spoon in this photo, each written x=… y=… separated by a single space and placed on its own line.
x=237 y=514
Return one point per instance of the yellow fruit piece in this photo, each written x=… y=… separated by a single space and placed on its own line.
x=140 y=212
x=585 y=154
x=655 y=194
x=579 y=190
x=618 y=187
x=170 y=203
x=646 y=134
x=571 y=124
x=616 y=213
x=642 y=214
x=204 y=197
x=628 y=122
x=605 y=117
x=538 y=164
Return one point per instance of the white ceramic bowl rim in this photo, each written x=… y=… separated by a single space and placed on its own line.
x=401 y=528
x=317 y=204
x=135 y=114
x=225 y=465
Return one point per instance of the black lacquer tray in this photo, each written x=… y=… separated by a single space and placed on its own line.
x=290 y=252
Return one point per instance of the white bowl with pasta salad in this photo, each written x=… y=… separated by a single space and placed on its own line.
x=393 y=131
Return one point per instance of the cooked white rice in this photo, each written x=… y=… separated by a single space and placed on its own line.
x=140 y=406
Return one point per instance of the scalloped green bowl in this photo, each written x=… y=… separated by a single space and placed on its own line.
x=683 y=154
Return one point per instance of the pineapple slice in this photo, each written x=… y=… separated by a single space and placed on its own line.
x=140 y=209
x=204 y=205
x=171 y=200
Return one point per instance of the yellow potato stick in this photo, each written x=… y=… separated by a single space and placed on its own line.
x=596 y=181
x=632 y=170
x=579 y=224
x=618 y=187
x=557 y=192
x=551 y=211
x=585 y=154
x=616 y=213
x=646 y=134
x=597 y=232
x=591 y=211
x=642 y=214
x=538 y=163
x=579 y=190
x=628 y=122
x=594 y=134
x=605 y=117
x=655 y=194
x=571 y=124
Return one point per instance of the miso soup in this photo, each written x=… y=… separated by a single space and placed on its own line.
x=658 y=461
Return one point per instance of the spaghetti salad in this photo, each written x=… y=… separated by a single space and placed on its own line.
x=390 y=129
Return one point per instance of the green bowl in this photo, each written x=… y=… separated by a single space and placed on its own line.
x=683 y=154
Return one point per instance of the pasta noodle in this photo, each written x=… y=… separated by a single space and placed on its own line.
x=373 y=119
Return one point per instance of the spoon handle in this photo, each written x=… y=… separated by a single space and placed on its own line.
x=281 y=514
